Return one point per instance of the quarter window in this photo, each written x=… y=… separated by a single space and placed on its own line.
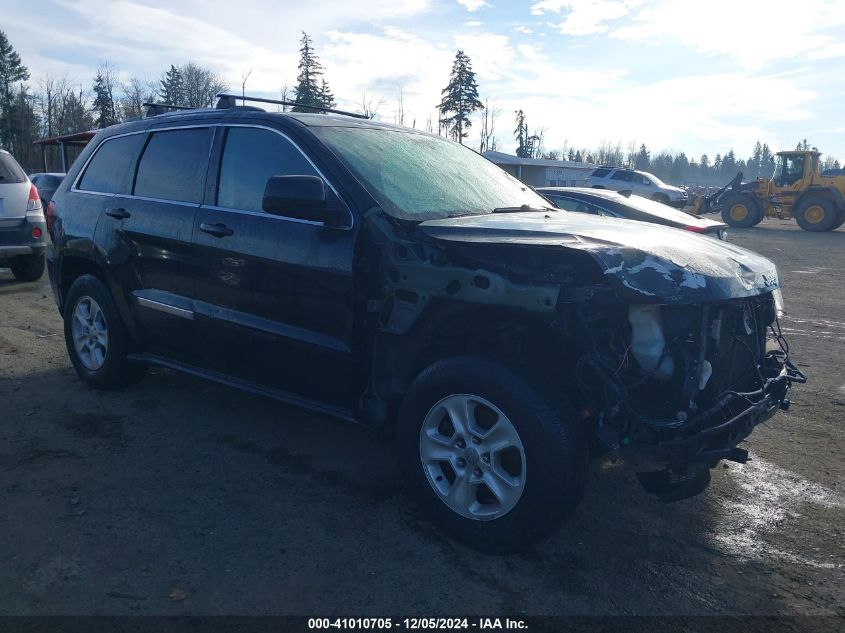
x=110 y=171
x=250 y=157
x=173 y=165
x=600 y=173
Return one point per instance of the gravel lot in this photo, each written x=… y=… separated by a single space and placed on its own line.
x=179 y=496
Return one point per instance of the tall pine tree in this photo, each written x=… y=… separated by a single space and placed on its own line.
x=521 y=134
x=11 y=70
x=104 y=108
x=172 y=87
x=311 y=87
x=459 y=98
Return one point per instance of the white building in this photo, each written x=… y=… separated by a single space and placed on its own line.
x=543 y=173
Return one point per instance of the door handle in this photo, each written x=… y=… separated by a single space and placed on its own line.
x=217 y=230
x=119 y=213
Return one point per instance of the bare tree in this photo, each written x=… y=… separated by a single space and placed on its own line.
x=200 y=85
x=369 y=106
x=244 y=79
x=488 y=127
x=285 y=92
x=135 y=93
x=399 y=115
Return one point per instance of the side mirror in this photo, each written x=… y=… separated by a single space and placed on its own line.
x=304 y=198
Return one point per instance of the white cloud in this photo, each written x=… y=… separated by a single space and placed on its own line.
x=523 y=29
x=753 y=32
x=584 y=17
x=472 y=5
x=473 y=23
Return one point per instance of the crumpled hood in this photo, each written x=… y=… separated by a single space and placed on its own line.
x=645 y=262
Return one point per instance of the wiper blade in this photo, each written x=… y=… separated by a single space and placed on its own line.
x=521 y=209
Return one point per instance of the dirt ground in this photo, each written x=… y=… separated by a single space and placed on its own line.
x=179 y=496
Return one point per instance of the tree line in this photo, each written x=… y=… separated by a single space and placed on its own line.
x=59 y=106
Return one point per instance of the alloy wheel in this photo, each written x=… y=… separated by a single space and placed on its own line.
x=473 y=457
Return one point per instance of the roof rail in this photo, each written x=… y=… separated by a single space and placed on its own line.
x=154 y=109
x=225 y=101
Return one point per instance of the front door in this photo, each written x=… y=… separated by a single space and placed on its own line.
x=274 y=295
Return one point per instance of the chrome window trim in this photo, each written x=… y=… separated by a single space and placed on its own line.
x=75 y=187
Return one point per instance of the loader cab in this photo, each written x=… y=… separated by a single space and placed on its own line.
x=793 y=167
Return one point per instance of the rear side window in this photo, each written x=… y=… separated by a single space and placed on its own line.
x=600 y=173
x=173 y=165
x=624 y=176
x=110 y=171
x=10 y=171
x=250 y=157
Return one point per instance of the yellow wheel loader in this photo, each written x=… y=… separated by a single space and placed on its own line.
x=798 y=189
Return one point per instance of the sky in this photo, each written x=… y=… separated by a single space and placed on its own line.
x=699 y=76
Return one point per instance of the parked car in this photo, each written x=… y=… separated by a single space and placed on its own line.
x=23 y=232
x=397 y=279
x=640 y=183
x=47 y=184
x=624 y=205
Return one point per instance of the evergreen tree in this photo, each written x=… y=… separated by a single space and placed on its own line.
x=11 y=70
x=767 y=162
x=104 y=109
x=172 y=88
x=326 y=95
x=571 y=155
x=521 y=135
x=643 y=159
x=459 y=98
x=310 y=89
x=754 y=162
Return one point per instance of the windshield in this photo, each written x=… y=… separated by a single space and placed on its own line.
x=420 y=177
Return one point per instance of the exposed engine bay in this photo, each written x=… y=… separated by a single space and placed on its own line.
x=691 y=382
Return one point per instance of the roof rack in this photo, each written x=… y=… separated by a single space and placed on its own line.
x=225 y=101
x=154 y=109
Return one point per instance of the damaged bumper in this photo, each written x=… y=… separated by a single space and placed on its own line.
x=709 y=437
x=715 y=434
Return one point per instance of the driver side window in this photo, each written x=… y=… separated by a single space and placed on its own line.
x=250 y=157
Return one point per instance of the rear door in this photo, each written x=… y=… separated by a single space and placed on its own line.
x=148 y=237
x=274 y=294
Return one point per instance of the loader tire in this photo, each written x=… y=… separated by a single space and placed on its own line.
x=740 y=210
x=817 y=214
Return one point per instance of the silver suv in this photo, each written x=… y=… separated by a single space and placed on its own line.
x=640 y=183
x=23 y=229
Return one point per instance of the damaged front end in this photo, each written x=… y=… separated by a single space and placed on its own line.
x=673 y=347
x=684 y=384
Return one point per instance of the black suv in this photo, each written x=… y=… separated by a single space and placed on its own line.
x=400 y=280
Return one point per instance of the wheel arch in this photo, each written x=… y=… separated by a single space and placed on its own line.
x=511 y=337
x=73 y=265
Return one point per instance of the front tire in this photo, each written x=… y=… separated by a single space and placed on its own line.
x=28 y=267
x=660 y=197
x=491 y=461
x=740 y=210
x=96 y=337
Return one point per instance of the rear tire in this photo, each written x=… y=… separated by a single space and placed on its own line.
x=28 y=267
x=817 y=214
x=740 y=210
x=96 y=337
x=452 y=425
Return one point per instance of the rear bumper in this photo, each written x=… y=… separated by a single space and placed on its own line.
x=16 y=239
